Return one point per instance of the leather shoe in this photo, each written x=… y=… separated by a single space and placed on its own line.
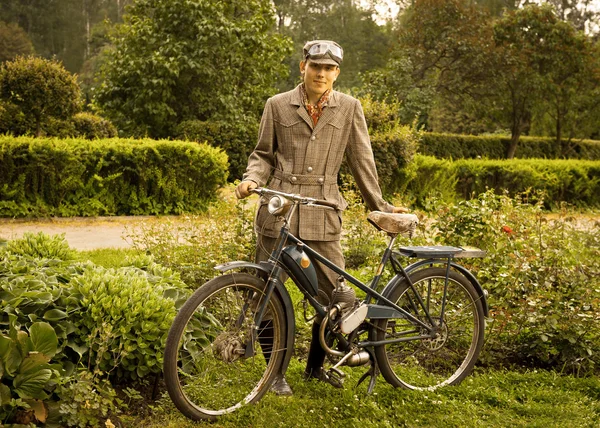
x=281 y=387
x=320 y=375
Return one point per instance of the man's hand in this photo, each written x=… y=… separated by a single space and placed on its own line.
x=243 y=190
x=400 y=210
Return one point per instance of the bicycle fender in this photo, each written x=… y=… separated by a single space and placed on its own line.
x=284 y=296
x=300 y=268
x=461 y=269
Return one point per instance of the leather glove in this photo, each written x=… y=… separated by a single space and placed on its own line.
x=243 y=190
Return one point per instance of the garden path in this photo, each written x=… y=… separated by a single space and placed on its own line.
x=82 y=233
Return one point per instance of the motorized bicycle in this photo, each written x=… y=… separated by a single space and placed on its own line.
x=422 y=330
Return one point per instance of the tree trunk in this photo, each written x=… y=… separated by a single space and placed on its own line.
x=514 y=141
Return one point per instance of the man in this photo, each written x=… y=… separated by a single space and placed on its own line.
x=303 y=138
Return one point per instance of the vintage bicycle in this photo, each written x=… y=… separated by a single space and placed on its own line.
x=422 y=330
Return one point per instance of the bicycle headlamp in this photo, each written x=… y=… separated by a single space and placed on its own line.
x=278 y=205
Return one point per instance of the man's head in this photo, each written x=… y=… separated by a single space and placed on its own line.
x=320 y=67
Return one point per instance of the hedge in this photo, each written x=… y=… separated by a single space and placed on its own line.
x=455 y=146
x=576 y=182
x=76 y=177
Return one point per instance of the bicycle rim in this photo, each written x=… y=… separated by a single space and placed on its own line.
x=210 y=368
x=446 y=359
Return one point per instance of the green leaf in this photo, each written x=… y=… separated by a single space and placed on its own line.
x=31 y=385
x=43 y=338
x=55 y=315
x=4 y=394
x=33 y=362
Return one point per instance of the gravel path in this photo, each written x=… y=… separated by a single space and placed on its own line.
x=82 y=233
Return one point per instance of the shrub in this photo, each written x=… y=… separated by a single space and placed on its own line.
x=41 y=246
x=43 y=177
x=113 y=321
x=576 y=182
x=14 y=41
x=41 y=89
x=455 y=146
x=542 y=278
x=238 y=139
x=91 y=126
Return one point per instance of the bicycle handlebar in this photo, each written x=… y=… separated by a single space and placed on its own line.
x=262 y=191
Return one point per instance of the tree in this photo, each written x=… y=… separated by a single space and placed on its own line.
x=548 y=63
x=178 y=60
x=13 y=42
x=41 y=89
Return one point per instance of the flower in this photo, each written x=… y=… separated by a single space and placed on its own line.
x=507 y=230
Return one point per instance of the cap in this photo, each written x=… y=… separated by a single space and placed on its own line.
x=323 y=52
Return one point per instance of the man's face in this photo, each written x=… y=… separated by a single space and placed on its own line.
x=318 y=77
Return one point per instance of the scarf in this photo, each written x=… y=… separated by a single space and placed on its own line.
x=315 y=111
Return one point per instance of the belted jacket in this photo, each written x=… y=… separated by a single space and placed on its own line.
x=293 y=156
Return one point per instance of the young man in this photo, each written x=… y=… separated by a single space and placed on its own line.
x=304 y=136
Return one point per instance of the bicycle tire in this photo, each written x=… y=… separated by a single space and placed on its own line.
x=432 y=363
x=206 y=369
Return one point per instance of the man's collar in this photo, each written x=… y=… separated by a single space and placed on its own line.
x=296 y=98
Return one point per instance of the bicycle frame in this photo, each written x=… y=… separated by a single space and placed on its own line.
x=387 y=310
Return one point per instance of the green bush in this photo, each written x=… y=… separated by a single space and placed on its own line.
x=91 y=126
x=542 y=278
x=455 y=146
x=576 y=182
x=52 y=177
x=41 y=89
x=238 y=139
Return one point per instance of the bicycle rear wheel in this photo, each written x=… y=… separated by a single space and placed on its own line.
x=446 y=359
x=210 y=366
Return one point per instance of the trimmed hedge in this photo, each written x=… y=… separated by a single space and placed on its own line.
x=453 y=146
x=75 y=177
x=576 y=182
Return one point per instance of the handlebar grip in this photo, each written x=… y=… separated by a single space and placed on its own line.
x=326 y=203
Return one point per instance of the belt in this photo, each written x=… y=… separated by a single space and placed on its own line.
x=307 y=180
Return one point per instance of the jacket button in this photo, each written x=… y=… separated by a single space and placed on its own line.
x=309 y=169
x=294 y=179
x=320 y=180
x=313 y=138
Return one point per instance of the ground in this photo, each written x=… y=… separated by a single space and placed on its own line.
x=82 y=233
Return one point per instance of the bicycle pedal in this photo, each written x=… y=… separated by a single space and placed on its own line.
x=335 y=377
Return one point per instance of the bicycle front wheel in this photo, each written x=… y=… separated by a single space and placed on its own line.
x=212 y=365
x=434 y=362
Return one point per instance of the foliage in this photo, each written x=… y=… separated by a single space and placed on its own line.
x=41 y=177
x=236 y=138
x=197 y=244
x=41 y=89
x=27 y=377
x=179 y=60
x=455 y=146
x=112 y=321
x=572 y=181
x=14 y=42
x=542 y=278
x=91 y=126
x=41 y=246
x=546 y=59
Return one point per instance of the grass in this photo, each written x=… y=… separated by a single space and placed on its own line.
x=488 y=398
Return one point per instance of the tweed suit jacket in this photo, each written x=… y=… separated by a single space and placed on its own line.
x=293 y=156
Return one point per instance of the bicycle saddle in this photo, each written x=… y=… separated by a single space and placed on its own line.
x=394 y=224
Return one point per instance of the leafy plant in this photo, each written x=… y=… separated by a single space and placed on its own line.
x=26 y=376
x=41 y=246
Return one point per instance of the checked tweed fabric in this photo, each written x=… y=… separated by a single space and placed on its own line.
x=294 y=156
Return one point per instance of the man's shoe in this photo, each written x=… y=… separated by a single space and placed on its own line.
x=280 y=387
x=320 y=375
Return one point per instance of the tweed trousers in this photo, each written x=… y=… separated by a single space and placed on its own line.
x=327 y=278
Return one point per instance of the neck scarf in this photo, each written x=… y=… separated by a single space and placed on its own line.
x=315 y=111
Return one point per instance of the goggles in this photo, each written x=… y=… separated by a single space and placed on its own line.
x=320 y=49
